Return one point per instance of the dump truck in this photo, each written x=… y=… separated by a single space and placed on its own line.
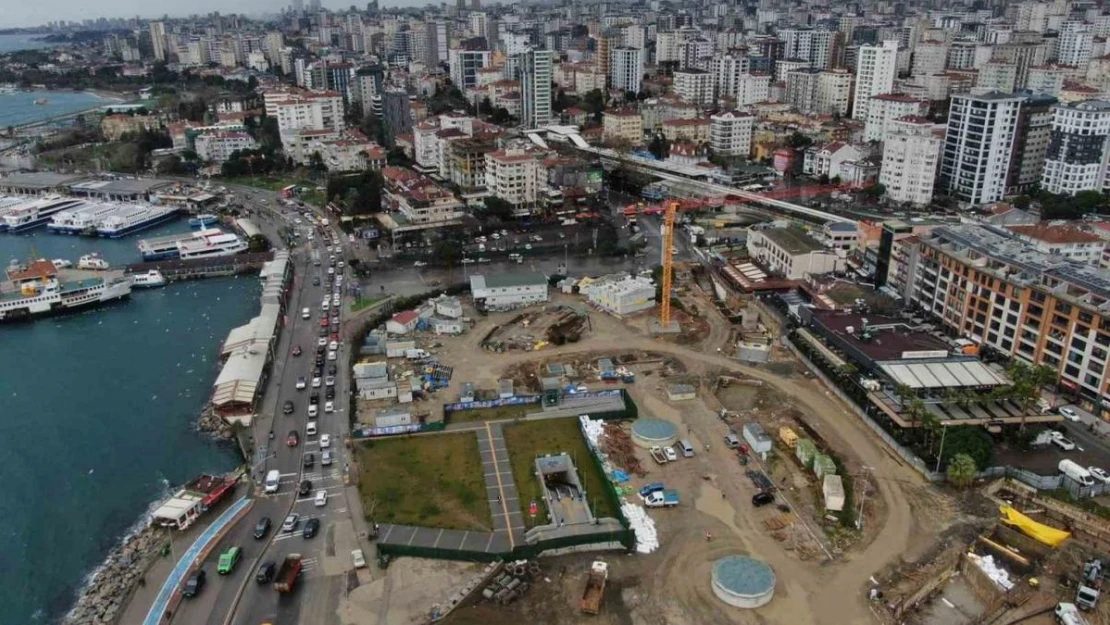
x=286 y=578
x=595 y=587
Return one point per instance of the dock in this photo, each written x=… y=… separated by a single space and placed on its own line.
x=197 y=268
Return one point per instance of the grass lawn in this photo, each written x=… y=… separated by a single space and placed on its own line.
x=534 y=438
x=433 y=481
x=491 y=414
x=366 y=302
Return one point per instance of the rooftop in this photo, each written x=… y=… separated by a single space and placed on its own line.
x=39 y=180
x=886 y=338
x=793 y=240
x=510 y=279
x=1056 y=233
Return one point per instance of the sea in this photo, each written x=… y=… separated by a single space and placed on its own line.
x=97 y=418
x=13 y=43
x=19 y=108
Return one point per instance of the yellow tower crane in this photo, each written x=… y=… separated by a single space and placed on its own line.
x=668 y=265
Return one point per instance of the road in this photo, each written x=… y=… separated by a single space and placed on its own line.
x=257 y=603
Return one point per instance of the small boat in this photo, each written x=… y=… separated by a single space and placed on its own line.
x=61 y=263
x=150 y=279
x=42 y=102
x=203 y=221
x=92 y=262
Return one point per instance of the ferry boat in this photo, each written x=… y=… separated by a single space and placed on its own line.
x=150 y=279
x=42 y=289
x=133 y=219
x=37 y=212
x=93 y=262
x=212 y=246
x=166 y=247
x=62 y=263
x=203 y=221
x=82 y=219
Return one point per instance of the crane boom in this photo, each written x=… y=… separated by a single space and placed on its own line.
x=668 y=265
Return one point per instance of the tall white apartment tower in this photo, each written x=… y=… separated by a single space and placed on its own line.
x=535 y=75
x=1078 y=155
x=978 y=146
x=626 y=69
x=875 y=70
x=158 y=40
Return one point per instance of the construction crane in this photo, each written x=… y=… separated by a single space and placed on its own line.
x=668 y=265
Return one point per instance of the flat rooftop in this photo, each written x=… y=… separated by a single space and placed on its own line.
x=793 y=240
x=123 y=186
x=39 y=180
x=890 y=338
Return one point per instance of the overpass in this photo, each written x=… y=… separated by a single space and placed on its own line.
x=691 y=175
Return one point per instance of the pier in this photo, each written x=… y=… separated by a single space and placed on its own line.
x=197 y=268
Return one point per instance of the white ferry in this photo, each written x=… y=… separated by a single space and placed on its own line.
x=41 y=289
x=82 y=220
x=62 y=263
x=93 y=262
x=36 y=212
x=150 y=279
x=212 y=246
x=167 y=247
x=133 y=219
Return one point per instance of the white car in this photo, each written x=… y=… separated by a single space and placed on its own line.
x=313 y=410
x=1070 y=415
x=315 y=382
x=329 y=381
x=358 y=559
x=1063 y=443
x=323 y=342
x=670 y=454
x=325 y=441
x=310 y=429
x=300 y=383
x=335 y=300
x=329 y=406
x=420 y=263
x=321 y=499
x=467 y=261
x=339 y=264
x=331 y=355
x=334 y=345
x=1100 y=475
x=290 y=522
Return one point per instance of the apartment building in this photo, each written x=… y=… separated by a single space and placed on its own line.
x=730 y=133
x=1062 y=239
x=516 y=176
x=978 y=146
x=883 y=109
x=727 y=70
x=416 y=201
x=1078 y=154
x=626 y=69
x=694 y=130
x=624 y=124
x=218 y=146
x=929 y=57
x=753 y=88
x=876 y=67
x=694 y=86
x=984 y=284
x=911 y=155
x=791 y=253
x=999 y=76
x=465 y=65
x=535 y=77
x=1031 y=141
x=297 y=110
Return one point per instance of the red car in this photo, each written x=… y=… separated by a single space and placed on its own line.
x=296 y=350
x=293 y=439
x=324 y=322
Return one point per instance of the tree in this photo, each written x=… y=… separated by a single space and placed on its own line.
x=258 y=243
x=353 y=115
x=876 y=190
x=447 y=251
x=970 y=440
x=497 y=208
x=836 y=180
x=823 y=179
x=594 y=101
x=962 y=470
x=798 y=140
x=316 y=162
x=1022 y=202
x=659 y=147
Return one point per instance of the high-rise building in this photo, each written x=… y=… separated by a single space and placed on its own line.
x=535 y=81
x=730 y=133
x=834 y=91
x=801 y=90
x=479 y=26
x=1075 y=44
x=396 y=115
x=627 y=71
x=1032 y=16
x=694 y=86
x=911 y=153
x=726 y=70
x=1031 y=140
x=929 y=57
x=1079 y=148
x=978 y=146
x=158 y=40
x=875 y=70
x=298 y=6
x=883 y=109
x=465 y=65
x=997 y=76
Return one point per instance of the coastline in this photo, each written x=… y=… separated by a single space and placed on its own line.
x=105 y=98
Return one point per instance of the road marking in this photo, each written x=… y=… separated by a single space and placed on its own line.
x=500 y=486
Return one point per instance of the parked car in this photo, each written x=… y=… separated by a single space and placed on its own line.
x=309 y=460
x=1070 y=414
x=326 y=458
x=670 y=454
x=266 y=572
x=193 y=584
x=1063 y=443
x=321 y=498
x=762 y=498
x=329 y=393
x=316 y=382
x=329 y=381
x=325 y=441
x=313 y=411
x=311 y=527
x=301 y=383
x=290 y=522
x=1099 y=474
x=262 y=527
x=329 y=406
x=358 y=559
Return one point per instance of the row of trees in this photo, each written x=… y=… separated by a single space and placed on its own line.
x=1054 y=206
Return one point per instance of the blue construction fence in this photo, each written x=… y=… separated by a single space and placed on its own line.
x=397 y=430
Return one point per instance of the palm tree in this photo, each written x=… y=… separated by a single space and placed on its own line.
x=962 y=470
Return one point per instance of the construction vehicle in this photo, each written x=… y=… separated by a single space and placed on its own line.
x=658 y=455
x=286 y=578
x=1068 y=614
x=1090 y=586
x=667 y=498
x=595 y=587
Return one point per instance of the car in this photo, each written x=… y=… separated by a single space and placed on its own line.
x=1099 y=474
x=332 y=355
x=335 y=300
x=329 y=381
x=1063 y=443
x=324 y=323
x=305 y=487
x=310 y=428
x=321 y=498
x=670 y=454
x=325 y=441
x=339 y=264
x=193 y=584
x=329 y=406
x=331 y=271
x=319 y=363
x=1070 y=414
x=288 y=407
x=762 y=498
x=262 y=527
x=527 y=246
x=332 y=369
x=323 y=331
x=311 y=527
x=316 y=279
x=265 y=573
x=467 y=261
x=296 y=350
x=420 y=263
x=308 y=460
x=313 y=410
x=483 y=259
x=292 y=439
x=318 y=370
x=329 y=393
x=290 y=523
x=228 y=560
x=314 y=398
x=326 y=458
x=316 y=382
x=358 y=559
x=333 y=345
x=300 y=383
x=495 y=236
x=322 y=342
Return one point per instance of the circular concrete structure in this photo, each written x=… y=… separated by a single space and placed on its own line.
x=652 y=432
x=743 y=582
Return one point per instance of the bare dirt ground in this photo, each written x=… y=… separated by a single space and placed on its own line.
x=672 y=585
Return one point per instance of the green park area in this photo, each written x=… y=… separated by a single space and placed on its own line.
x=432 y=481
x=529 y=439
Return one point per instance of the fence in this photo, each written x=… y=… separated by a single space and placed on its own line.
x=517 y=400
x=438 y=553
x=397 y=430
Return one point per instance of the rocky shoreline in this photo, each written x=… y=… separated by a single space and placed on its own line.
x=105 y=592
x=213 y=424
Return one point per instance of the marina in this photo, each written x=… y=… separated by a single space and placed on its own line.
x=34 y=213
x=133 y=219
x=82 y=219
x=206 y=243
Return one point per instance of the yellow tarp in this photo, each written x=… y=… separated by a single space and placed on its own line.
x=1037 y=531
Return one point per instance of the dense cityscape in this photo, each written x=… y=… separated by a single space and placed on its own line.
x=483 y=313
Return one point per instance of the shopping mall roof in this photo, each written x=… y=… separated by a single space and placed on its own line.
x=943 y=374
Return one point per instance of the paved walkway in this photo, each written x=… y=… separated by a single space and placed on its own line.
x=501 y=491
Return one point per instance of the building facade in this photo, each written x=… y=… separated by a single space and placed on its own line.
x=626 y=69
x=1079 y=148
x=730 y=134
x=978 y=146
x=911 y=155
x=535 y=79
x=876 y=67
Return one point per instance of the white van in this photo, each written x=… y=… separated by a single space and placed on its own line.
x=306 y=314
x=325 y=305
x=273 y=479
x=687 y=448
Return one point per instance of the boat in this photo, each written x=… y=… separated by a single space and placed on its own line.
x=62 y=263
x=203 y=221
x=93 y=262
x=133 y=219
x=150 y=279
x=42 y=102
x=40 y=289
x=166 y=247
x=37 y=212
x=211 y=246
x=83 y=219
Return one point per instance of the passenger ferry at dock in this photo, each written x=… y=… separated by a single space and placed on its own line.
x=37 y=212
x=133 y=219
x=169 y=246
x=150 y=279
x=40 y=289
x=212 y=246
x=82 y=219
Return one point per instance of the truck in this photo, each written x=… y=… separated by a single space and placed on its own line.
x=651 y=488
x=416 y=354
x=662 y=499
x=658 y=455
x=1072 y=470
x=595 y=587
x=1068 y=614
x=286 y=578
x=1090 y=585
